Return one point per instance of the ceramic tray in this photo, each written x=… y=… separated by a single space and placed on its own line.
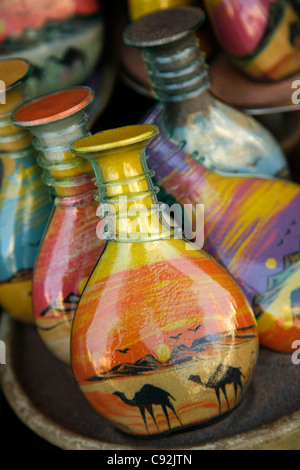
x=43 y=394
x=231 y=86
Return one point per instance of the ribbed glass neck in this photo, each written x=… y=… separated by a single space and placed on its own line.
x=127 y=197
x=66 y=175
x=177 y=70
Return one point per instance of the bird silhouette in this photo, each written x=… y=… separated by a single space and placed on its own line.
x=38 y=72
x=148 y=396
x=195 y=329
x=70 y=57
x=224 y=375
x=176 y=337
x=123 y=351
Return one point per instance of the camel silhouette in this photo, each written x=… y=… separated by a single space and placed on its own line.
x=70 y=57
x=146 y=398
x=224 y=375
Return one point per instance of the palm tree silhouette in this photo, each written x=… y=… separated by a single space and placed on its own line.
x=224 y=375
x=146 y=398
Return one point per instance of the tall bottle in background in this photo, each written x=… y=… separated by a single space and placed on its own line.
x=213 y=133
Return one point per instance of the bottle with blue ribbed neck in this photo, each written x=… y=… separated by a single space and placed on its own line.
x=212 y=132
x=70 y=248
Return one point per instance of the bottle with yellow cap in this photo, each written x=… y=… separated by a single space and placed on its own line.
x=70 y=248
x=161 y=327
x=24 y=202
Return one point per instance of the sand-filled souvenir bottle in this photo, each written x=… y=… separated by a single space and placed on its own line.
x=163 y=338
x=252 y=227
x=262 y=37
x=24 y=202
x=70 y=248
x=210 y=131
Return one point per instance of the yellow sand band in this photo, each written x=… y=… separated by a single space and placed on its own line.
x=16 y=298
x=139 y=8
x=279 y=58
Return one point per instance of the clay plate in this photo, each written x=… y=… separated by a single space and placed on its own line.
x=43 y=394
x=231 y=86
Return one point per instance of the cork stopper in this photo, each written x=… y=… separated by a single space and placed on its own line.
x=163 y=26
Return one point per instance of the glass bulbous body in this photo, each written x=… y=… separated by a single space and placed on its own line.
x=24 y=202
x=221 y=138
x=70 y=247
x=213 y=133
x=69 y=252
x=261 y=36
x=161 y=330
x=252 y=228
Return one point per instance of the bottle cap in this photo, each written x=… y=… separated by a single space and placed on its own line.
x=53 y=107
x=13 y=72
x=163 y=26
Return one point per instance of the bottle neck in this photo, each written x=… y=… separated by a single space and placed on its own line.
x=127 y=197
x=178 y=70
x=66 y=175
